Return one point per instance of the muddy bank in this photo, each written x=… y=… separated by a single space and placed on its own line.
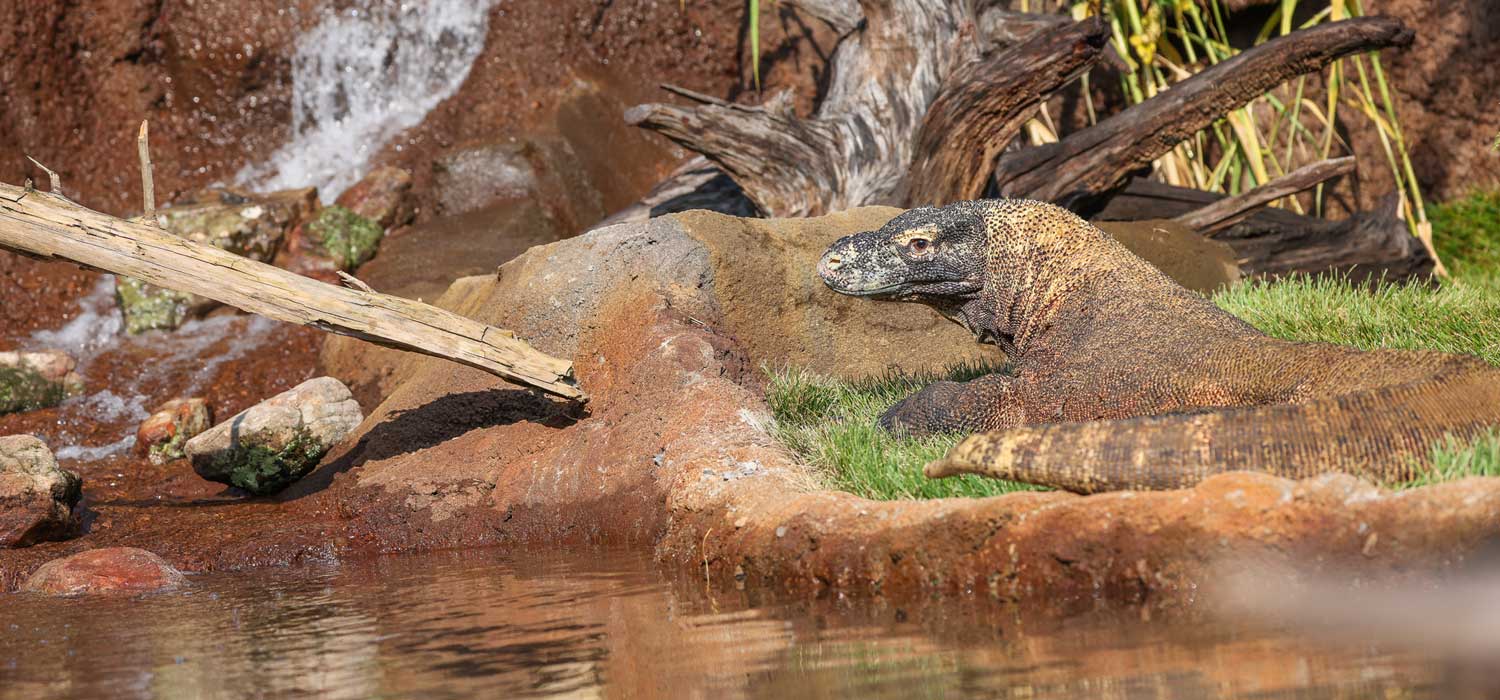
x=667 y=323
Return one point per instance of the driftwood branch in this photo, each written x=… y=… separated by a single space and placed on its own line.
x=1275 y=242
x=148 y=187
x=52 y=227
x=1230 y=210
x=1092 y=162
x=986 y=102
x=763 y=144
x=53 y=181
x=858 y=146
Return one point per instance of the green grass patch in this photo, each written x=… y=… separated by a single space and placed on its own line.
x=830 y=424
x=1466 y=233
x=1456 y=459
x=1462 y=316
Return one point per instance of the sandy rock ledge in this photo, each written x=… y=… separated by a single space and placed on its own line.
x=669 y=321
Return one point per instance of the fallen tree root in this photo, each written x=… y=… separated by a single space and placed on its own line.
x=1230 y=210
x=1087 y=165
x=1370 y=245
x=51 y=227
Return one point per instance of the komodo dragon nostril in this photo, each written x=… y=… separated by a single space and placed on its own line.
x=832 y=262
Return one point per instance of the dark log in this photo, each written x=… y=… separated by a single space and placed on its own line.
x=1086 y=165
x=1274 y=242
x=696 y=184
x=1004 y=28
x=1227 y=211
x=986 y=102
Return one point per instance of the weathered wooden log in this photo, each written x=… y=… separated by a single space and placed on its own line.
x=878 y=110
x=1275 y=242
x=984 y=104
x=1086 y=165
x=51 y=227
x=1230 y=210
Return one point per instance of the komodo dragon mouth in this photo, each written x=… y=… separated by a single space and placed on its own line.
x=1123 y=379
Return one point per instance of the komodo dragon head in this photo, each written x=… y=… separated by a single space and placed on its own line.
x=929 y=255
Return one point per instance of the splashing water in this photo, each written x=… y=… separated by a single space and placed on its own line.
x=364 y=75
x=195 y=351
x=93 y=330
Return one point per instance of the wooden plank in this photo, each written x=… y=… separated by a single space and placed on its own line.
x=51 y=227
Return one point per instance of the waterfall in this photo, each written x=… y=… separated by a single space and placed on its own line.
x=363 y=75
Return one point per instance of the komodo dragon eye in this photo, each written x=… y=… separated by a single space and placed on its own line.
x=918 y=246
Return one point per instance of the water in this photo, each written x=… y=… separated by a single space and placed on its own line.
x=491 y=624
x=365 y=74
x=128 y=375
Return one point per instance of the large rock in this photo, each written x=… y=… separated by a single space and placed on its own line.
x=245 y=224
x=32 y=380
x=275 y=442
x=107 y=570
x=667 y=323
x=36 y=496
x=164 y=433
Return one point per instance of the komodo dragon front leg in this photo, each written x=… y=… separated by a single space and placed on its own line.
x=1135 y=382
x=991 y=402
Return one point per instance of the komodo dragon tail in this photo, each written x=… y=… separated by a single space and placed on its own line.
x=1385 y=434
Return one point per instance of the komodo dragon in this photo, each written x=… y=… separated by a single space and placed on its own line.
x=1124 y=380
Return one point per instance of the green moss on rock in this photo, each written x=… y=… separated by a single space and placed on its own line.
x=346 y=237
x=148 y=307
x=24 y=389
x=263 y=470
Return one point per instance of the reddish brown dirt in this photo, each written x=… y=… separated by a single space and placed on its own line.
x=77 y=77
x=37 y=295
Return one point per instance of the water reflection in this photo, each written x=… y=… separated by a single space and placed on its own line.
x=484 y=623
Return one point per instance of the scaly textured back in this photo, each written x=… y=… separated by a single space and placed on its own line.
x=1123 y=379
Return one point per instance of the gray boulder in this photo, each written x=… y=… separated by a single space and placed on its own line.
x=266 y=447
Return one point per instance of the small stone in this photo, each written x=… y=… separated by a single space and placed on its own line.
x=108 y=570
x=266 y=447
x=383 y=196
x=245 y=224
x=32 y=380
x=340 y=235
x=163 y=434
x=36 y=496
x=147 y=307
x=474 y=176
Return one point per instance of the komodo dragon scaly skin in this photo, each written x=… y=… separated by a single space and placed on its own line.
x=1124 y=380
